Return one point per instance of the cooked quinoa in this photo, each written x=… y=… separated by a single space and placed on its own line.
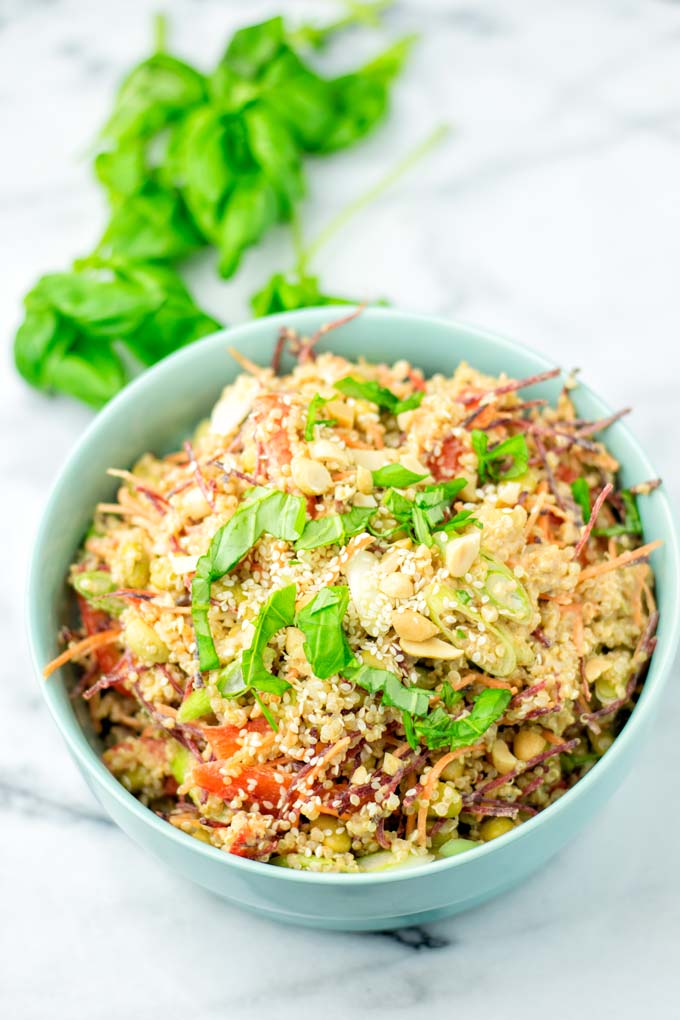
x=364 y=618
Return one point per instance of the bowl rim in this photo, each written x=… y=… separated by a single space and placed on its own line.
x=92 y=764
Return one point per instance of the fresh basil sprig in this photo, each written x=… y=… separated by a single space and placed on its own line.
x=493 y=463
x=267 y=510
x=188 y=159
x=74 y=321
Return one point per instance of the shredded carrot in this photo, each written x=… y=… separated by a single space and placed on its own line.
x=619 y=561
x=649 y=596
x=578 y=632
x=485 y=681
x=88 y=644
x=551 y=737
x=428 y=788
x=410 y=824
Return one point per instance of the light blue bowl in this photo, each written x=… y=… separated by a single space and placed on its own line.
x=155 y=413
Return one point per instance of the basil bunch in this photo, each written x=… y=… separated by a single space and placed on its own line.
x=190 y=159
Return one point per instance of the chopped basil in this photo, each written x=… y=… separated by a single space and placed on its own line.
x=365 y=389
x=492 y=463
x=631 y=524
x=277 y=612
x=320 y=621
x=427 y=512
x=395 y=475
x=336 y=528
x=463 y=596
x=266 y=511
x=315 y=404
x=449 y=696
x=411 y=701
x=580 y=490
x=438 y=729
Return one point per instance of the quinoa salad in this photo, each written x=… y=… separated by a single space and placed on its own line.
x=363 y=619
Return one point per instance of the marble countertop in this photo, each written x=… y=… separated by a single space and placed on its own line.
x=551 y=215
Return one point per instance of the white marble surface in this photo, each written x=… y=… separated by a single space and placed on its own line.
x=553 y=215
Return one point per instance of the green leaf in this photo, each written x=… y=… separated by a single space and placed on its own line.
x=123 y=170
x=253 y=48
x=492 y=463
x=368 y=389
x=90 y=371
x=413 y=700
x=99 y=306
x=268 y=510
x=335 y=528
x=320 y=620
x=286 y=293
x=397 y=476
x=253 y=207
x=150 y=224
x=277 y=612
x=43 y=332
x=153 y=94
x=360 y=99
x=275 y=152
x=178 y=321
x=580 y=490
x=315 y=404
x=438 y=729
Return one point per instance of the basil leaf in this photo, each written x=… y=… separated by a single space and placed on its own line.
x=123 y=170
x=491 y=461
x=152 y=223
x=154 y=93
x=413 y=700
x=90 y=371
x=395 y=475
x=320 y=621
x=284 y=293
x=335 y=528
x=315 y=404
x=252 y=208
x=359 y=100
x=438 y=729
x=580 y=490
x=368 y=389
x=252 y=48
x=100 y=307
x=269 y=511
x=277 y=612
